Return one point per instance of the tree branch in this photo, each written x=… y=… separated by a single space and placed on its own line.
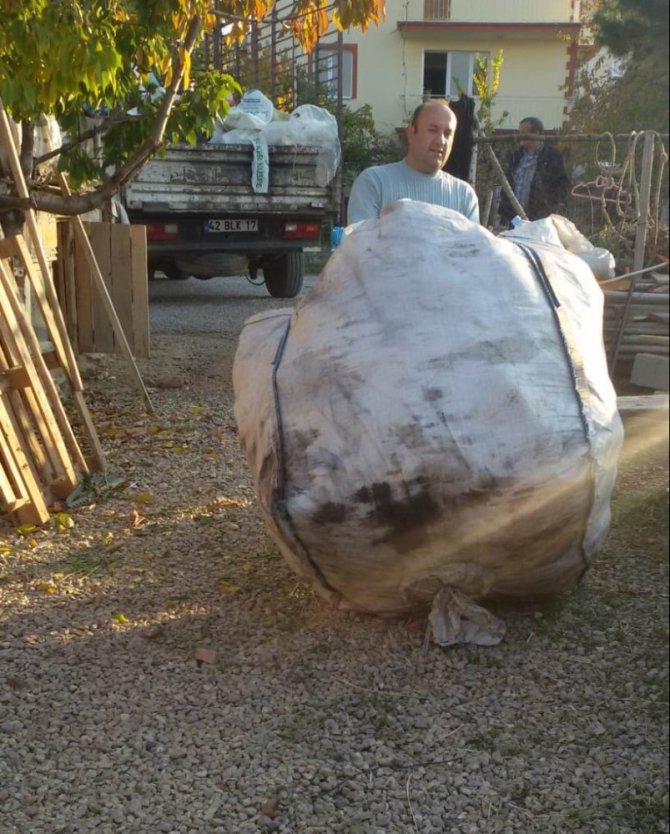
x=27 y=148
x=81 y=203
x=82 y=137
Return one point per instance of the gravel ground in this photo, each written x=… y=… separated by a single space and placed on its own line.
x=162 y=671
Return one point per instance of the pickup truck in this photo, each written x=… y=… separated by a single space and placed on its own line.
x=204 y=219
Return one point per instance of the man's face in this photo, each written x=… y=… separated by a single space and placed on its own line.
x=527 y=144
x=431 y=139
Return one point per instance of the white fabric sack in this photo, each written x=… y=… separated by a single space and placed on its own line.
x=429 y=418
x=317 y=127
x=254 y=112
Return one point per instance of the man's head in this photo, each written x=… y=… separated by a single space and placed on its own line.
x=534 y=126
x=430 y=136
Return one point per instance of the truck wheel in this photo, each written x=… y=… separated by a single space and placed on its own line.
x=174 y=274
x=284 y=274
x=169 y=268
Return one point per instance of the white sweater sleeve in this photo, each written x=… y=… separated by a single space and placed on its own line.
x=365 y=198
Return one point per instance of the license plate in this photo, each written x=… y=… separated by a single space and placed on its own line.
x=231 y=225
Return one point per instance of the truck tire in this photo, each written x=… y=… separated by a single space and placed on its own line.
x=284 y=274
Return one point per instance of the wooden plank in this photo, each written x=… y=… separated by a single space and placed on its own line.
x=50 y=418
x=34 y=512
x=84 y=298
x=643 y=402
x=66 y=264
x=140 y=291
x=40 y=414
x=22 y=403
x=98 y=462
x=15 y=487
x=42 y=287
x=52 y=362
x=120 y=278
x=104 y=296
x=25 y=344
x=13 y=377
x=9 y=498
x=103 y=333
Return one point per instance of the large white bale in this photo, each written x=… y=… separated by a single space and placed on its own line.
x=436 y=412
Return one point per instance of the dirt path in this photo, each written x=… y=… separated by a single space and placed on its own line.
x=303 y=720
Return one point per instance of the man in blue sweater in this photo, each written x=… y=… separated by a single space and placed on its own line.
x=419 y=176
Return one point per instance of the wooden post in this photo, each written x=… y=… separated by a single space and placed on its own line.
x=486 y=208
x=506 y=187
x=645 y=194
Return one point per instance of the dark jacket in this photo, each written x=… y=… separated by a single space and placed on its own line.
x=460 y=158
x=548 y=189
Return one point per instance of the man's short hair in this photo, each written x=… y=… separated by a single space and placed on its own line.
x=426 y=103
x=534 y=122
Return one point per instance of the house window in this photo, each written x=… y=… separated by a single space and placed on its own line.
x=437 y=9
x=448 y=74
x=327 y=61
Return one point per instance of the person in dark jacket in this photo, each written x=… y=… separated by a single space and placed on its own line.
x=537 y=175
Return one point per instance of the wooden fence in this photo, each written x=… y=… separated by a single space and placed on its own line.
x=121 y=254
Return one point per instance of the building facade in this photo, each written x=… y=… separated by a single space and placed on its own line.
x=432 y=48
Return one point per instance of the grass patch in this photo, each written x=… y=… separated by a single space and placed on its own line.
x=632 y=811
x=640 y=520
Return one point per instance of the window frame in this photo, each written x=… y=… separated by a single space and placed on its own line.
x=449 y=71
x=333 y=49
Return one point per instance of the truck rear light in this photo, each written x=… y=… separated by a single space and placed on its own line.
x=162 y=231
x=298 y=230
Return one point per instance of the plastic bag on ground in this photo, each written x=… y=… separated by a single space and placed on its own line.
x=436 y=413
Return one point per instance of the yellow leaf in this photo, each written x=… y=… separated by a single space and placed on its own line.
x=228 y=587
x=32 y=542
x=231 y=525
x=178 y=450
x=143 y=498
x=120 y=618
x=46 y=586
x=186 y=62
x=4 y=550
x=196 y=409
x=26 y=529
x=63 y=520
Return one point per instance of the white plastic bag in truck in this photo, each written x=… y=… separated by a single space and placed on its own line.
x=435 y=418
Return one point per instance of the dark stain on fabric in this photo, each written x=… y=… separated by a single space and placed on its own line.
x=330 y=513
x=406 y=512
x=464 y=251
x=431 y=395
x=304 y=439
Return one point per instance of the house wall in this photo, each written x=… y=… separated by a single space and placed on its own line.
x=534 y=70
x=509 y=11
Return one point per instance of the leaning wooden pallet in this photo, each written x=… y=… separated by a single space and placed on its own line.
x=44 y=293
x=36 y=436
x=41 y=460
x=21 y=494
